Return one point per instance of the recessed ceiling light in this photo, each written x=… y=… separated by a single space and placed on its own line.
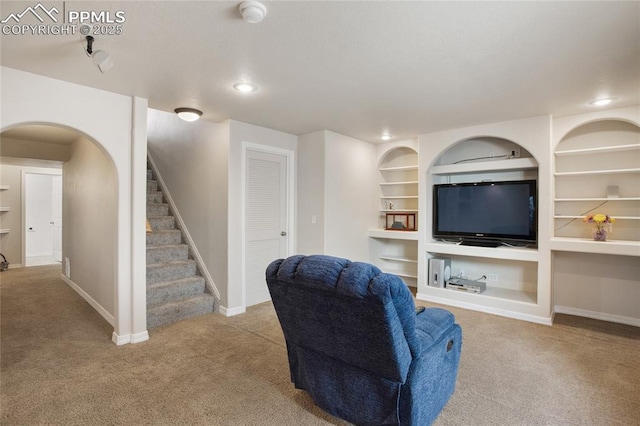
x=245 y=87
x=188 y=114
x=385 y=137
x=601 y=101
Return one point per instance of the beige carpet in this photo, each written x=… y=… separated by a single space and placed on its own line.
x=59 y=367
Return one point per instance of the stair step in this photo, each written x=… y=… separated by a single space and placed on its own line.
x=165 y=253
x=170 y=271
x=157 y=209
x=162 y=223
x=152 y=185
x=154 y=197
x=171 y=312
x=164 y=237
x=171 y=291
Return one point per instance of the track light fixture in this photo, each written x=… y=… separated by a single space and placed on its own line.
x=188 y=114
x=101 y=58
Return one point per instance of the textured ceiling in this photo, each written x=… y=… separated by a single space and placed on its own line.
x=356 y=68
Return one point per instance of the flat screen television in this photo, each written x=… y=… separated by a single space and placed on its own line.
x=486 y=213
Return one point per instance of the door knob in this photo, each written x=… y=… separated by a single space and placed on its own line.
x=283 y=234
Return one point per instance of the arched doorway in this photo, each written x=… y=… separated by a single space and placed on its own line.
x=89 y=205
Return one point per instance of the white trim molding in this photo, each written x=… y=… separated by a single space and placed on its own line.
x=602 y=316
x=90 y=300
x=229 y=312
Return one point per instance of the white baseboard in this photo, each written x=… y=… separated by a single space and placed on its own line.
x=603 y=316
x=140 y=337
x=486 y=309
x=229 y=312
x=15 y=265
x=120 y=340
x=102 y=311
x=129 y=338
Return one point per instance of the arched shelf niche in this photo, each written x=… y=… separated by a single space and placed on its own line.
x=597 y=170
x=398 y=184
x=396 y=251
x=472 y=159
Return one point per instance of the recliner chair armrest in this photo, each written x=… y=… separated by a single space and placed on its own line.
x=431 y=324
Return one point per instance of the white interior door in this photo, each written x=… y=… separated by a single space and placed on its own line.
x=56 y=216
x=266 y=207
x=38 y=207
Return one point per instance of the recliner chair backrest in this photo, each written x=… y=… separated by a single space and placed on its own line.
x=346 y=310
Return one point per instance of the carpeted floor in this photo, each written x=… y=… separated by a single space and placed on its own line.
x=59 y=367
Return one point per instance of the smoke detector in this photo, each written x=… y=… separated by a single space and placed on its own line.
x=253 y=11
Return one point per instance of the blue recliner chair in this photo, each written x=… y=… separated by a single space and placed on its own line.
x=356 y=344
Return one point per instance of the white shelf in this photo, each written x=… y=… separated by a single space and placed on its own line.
x=4 y=187
x=598 y=172
x=398 y=259
x=502 y=252
x=398 y=168
x=598 y=150
x=485 y=166
x=584 y=245
x=5 y=209
x=495 y=293
x=394 y=235
x=4 y=231
x=401 y=274
x=399 y=197
x=410 y=182
x=581 y=217
x=598 y=199
x=400 y=211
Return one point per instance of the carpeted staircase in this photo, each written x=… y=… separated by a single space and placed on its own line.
x=175 y=290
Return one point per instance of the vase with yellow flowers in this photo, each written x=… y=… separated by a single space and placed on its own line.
x=601 y=222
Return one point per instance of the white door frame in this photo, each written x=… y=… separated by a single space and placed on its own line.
x=290 y=202
x=23 y=203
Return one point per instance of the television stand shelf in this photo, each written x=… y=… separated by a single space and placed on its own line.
x=503 y=252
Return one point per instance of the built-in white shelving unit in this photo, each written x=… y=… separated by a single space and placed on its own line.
x=588 y=164
x=4 y=209
x=396 y=251
x=515 y=277
x=596 y=169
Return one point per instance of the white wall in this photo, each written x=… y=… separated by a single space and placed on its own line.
x=238 y=133
x=89 y=206
x=311 y=174
x=351 y=204
x=118 y=124
x=34 y=149
x=193 y=160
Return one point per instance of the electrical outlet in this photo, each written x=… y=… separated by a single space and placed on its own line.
x=515 y=153
x=492 y=277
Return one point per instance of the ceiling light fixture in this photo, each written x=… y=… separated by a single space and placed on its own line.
x=253 y=12
x=245 y=87
x=188 y=114
x=602 y=101
x=101 y=58
x=385 y=137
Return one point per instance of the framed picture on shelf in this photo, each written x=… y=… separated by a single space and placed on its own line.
x=400 y=222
